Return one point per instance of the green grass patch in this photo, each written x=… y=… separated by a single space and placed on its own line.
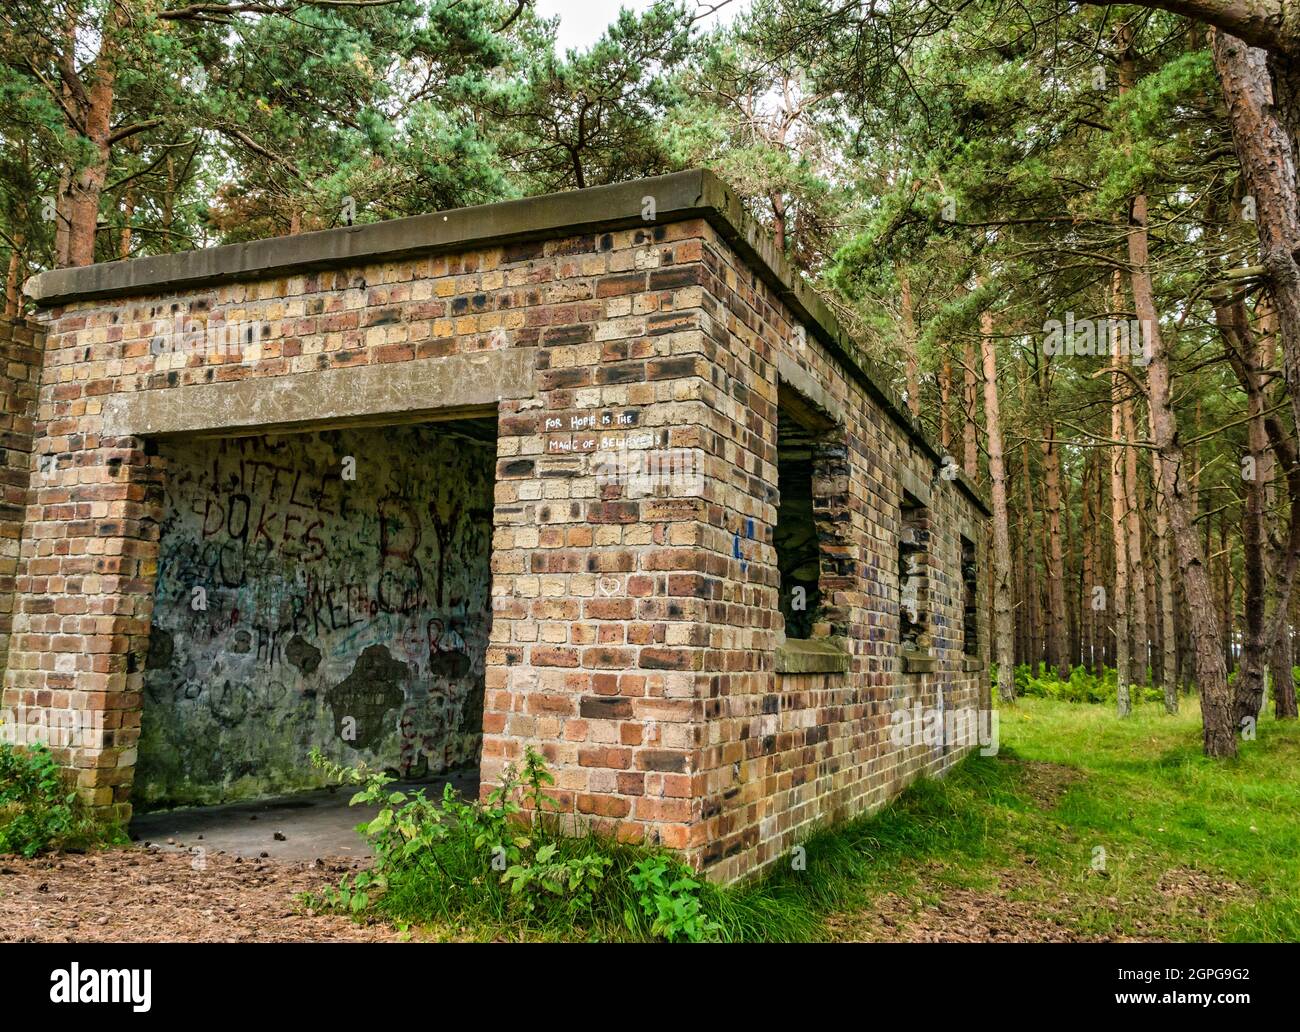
x=1194 y=848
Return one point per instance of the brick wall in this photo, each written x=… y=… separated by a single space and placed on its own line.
x=636 y=622
x=20 y=363
x=784 y=751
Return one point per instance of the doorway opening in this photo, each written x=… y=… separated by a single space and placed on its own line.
x=325 y=590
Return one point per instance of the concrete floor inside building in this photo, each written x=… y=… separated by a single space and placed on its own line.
x=302 y=826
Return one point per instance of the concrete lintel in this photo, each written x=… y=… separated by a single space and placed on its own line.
x=919 y=662
x=427 y=388
x=812 y=656
x=914 y=485
x=811 y=405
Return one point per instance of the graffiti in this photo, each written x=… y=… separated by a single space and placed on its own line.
x=235 y=704
x=302 y=654
x=401 y=582
x=443 y=527
x=367 y=601
x=368 y=694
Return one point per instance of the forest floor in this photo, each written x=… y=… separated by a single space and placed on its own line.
x=1083 y=827
x=138 y=894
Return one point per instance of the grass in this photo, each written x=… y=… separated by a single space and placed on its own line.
x=1107 y=829
x=1158 y=807
x=1084 y=826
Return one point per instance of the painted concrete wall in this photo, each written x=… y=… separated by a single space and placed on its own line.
x=350 y=614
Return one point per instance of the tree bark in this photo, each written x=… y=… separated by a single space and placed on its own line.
x=1267 y=611
x=1219 y=732
x=1228 y=596
x=1165 y=567
x=1140 y=651
x=945 y=405
x=777 y=200
x=1057 y=648
x=1248 y=693
x=128 y=213
x=1003 y=633
x=1267 y=159
x=13 y=277
x=87 y=184
x=1070 y=574
x=1087 y=572
x=1021 y=576
x=909 y=347
x=970 y=443
x=1282 y=659
x=1152 y=621
x=1119 y=603
x=1033 y=596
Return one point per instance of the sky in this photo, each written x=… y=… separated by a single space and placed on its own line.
x=583 y=21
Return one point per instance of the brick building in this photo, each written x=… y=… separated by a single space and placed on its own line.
x=593 y=472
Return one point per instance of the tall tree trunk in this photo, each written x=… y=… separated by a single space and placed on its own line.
x=1104 y=550
x=945 y=405
x=1266 y=150
x=1057 y=649
x=1268 y=634
x=1165 y=567
x=1219 y=732
x=87 y=183
x=1020 y=572
x=1149 y=577
x=1228 y=594
x=1119 y=603
x=1073 y=629
x=1033 y=597
x=13 y=277
x=1087 y=572
x=1140 y=653
x=970 y=443
x=1248 y=693
x=1003 y=639
x=1282 y=659
x=909 y=347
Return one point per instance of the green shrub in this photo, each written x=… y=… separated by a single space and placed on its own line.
x=38 y=812
x=669 y=896
x=507 y=861
x=1081 y=686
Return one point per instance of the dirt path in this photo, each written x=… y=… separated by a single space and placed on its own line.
x=152 y=895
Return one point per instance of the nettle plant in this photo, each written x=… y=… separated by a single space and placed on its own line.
x=39 y=809
x=506 y=858
x=669 y=896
